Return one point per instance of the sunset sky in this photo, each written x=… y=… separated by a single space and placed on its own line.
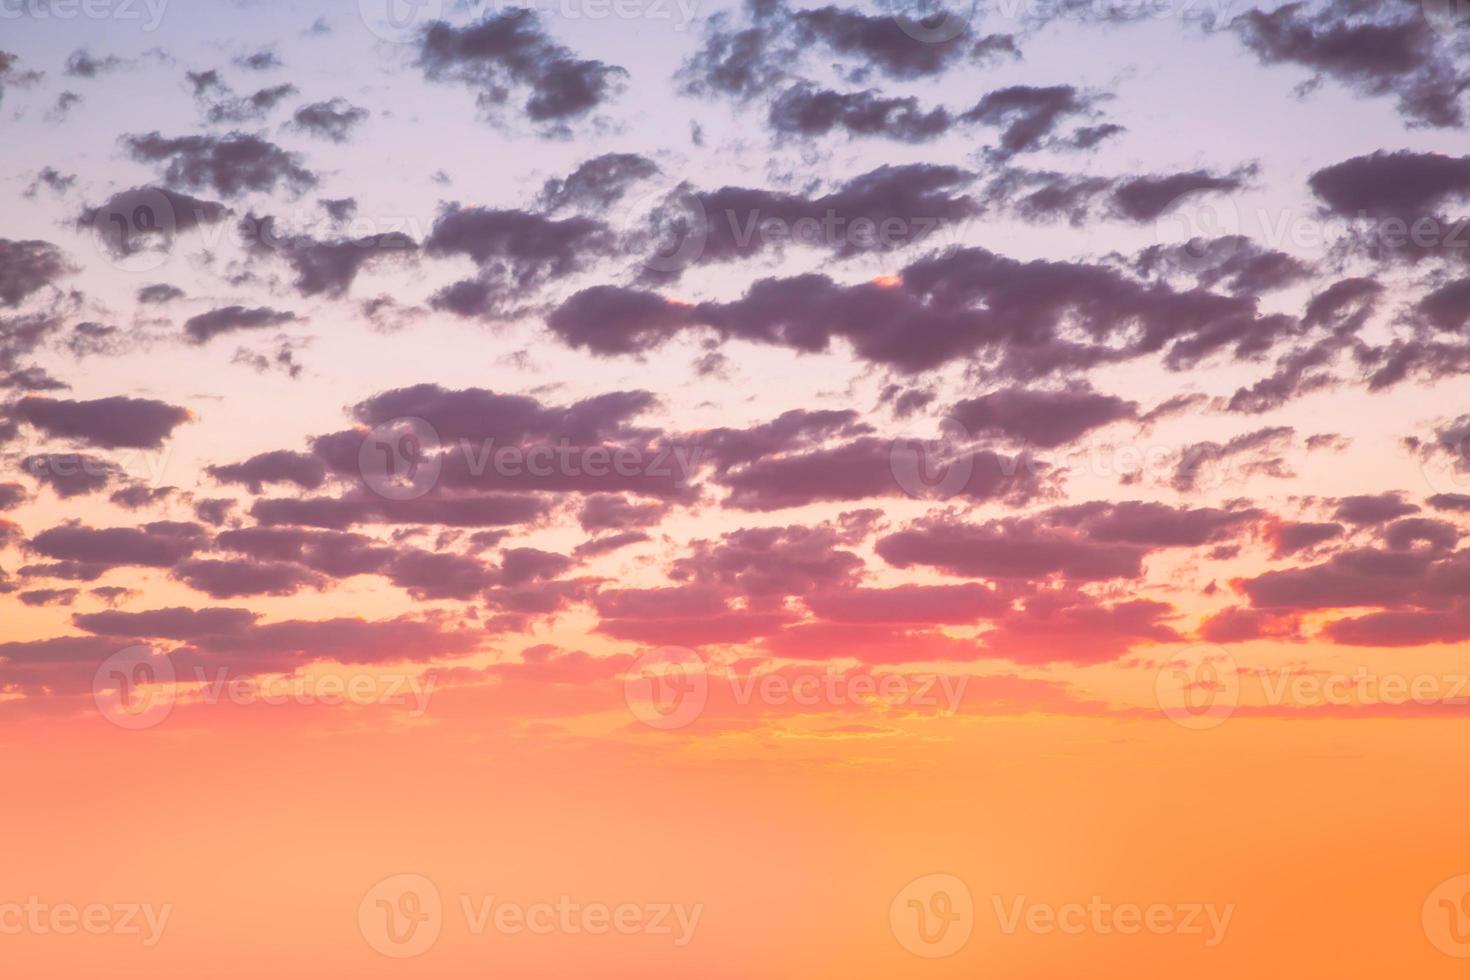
x=662 y=488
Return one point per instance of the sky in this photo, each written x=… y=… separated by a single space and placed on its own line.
x=669 y=488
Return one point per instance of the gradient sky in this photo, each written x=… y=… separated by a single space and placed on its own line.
x=1094 y=537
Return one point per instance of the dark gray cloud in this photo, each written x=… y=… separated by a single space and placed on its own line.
x=229 y=165
x=109 y=423
x=206 y=326
x=278 y=466
x=598 y=183
x=1046 y=419
x=148 y=218
x=1375 y=48
x=509 y=52
x=332 y=120
x=27 y=267
x=807 y=110
x=322 y=267
x=517 y=252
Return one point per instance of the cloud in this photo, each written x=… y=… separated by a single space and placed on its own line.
x=81 y=63
x=229 y=165
x=322 y=267
x=26 y=267
x=234 y=579
x=1375 y=49
x=159 y=293
x=508 y=52
x=1029 y=116
x=1046 y=419
x=132 y=220
x=173 y=623
x=883 y=210
x=1021 y=548
x=806 y=110
x=242 y=109
x=865 y=469
x=597 y=184
x=332 y=120
x=517 y=252
x=278 y=466
x=204 y=327
x=1371 y=508
x=1146 y=198
x=72 y=474
x=109 y=423
x=159 y=544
